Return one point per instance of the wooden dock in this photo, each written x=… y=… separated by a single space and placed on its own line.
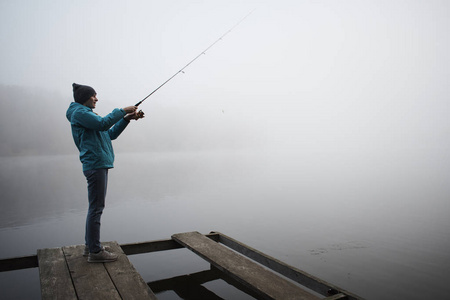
x=66 y=274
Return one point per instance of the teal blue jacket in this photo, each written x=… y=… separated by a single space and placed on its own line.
x=93 y=134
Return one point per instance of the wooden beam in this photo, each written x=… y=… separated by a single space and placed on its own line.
x=316 y=284
x=18 y=263
x=265 y=283
x=151 y=246
x=158 y=245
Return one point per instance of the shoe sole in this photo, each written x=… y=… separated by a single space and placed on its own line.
x=86 y=254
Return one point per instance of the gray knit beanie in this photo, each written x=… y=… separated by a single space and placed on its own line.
x=82 y=93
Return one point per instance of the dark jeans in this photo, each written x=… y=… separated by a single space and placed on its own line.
x=97 y=181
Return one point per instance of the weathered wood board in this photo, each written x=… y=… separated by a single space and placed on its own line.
x=91 y=280
x=56 y=282
x=126 y=279
x=66 y=274
x=264 y=282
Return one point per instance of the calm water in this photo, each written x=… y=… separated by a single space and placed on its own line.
x=376 y=226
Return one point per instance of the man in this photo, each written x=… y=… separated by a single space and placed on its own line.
x=92 y=135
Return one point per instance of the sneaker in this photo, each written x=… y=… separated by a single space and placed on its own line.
x=86 y=250
x=102 y=257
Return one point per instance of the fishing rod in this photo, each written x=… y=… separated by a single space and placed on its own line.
x=201 y=53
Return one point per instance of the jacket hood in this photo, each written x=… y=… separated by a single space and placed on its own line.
x=74 y=106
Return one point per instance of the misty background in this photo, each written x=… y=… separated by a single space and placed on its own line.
x=318 y=129
x=365 y=78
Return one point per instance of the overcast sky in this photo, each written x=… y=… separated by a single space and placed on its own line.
x=346 y=75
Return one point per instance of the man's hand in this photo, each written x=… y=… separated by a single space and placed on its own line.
x=130 y=109
x=136 y=115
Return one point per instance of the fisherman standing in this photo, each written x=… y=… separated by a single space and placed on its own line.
x=92 y=135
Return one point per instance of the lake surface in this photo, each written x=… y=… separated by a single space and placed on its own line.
x=377 y=226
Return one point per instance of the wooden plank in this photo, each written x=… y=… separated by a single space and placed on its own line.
x=91 y=280
x=18 y=263
x=56 y=282
x=126 y=279
x=316 y=284
x=158 y=245
x=264 y=282
x=236 y=284
x=151 y=246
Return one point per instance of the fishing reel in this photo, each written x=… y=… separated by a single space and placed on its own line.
x=139 y=115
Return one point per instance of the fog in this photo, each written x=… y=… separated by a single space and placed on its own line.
x=333 y=108
x=345 y=84
x=358 y=77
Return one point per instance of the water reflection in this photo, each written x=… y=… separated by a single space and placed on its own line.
x=193 y=286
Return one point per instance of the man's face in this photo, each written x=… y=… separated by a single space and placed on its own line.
x=91 y=102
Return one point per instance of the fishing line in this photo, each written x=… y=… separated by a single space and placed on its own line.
x=201 y=53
